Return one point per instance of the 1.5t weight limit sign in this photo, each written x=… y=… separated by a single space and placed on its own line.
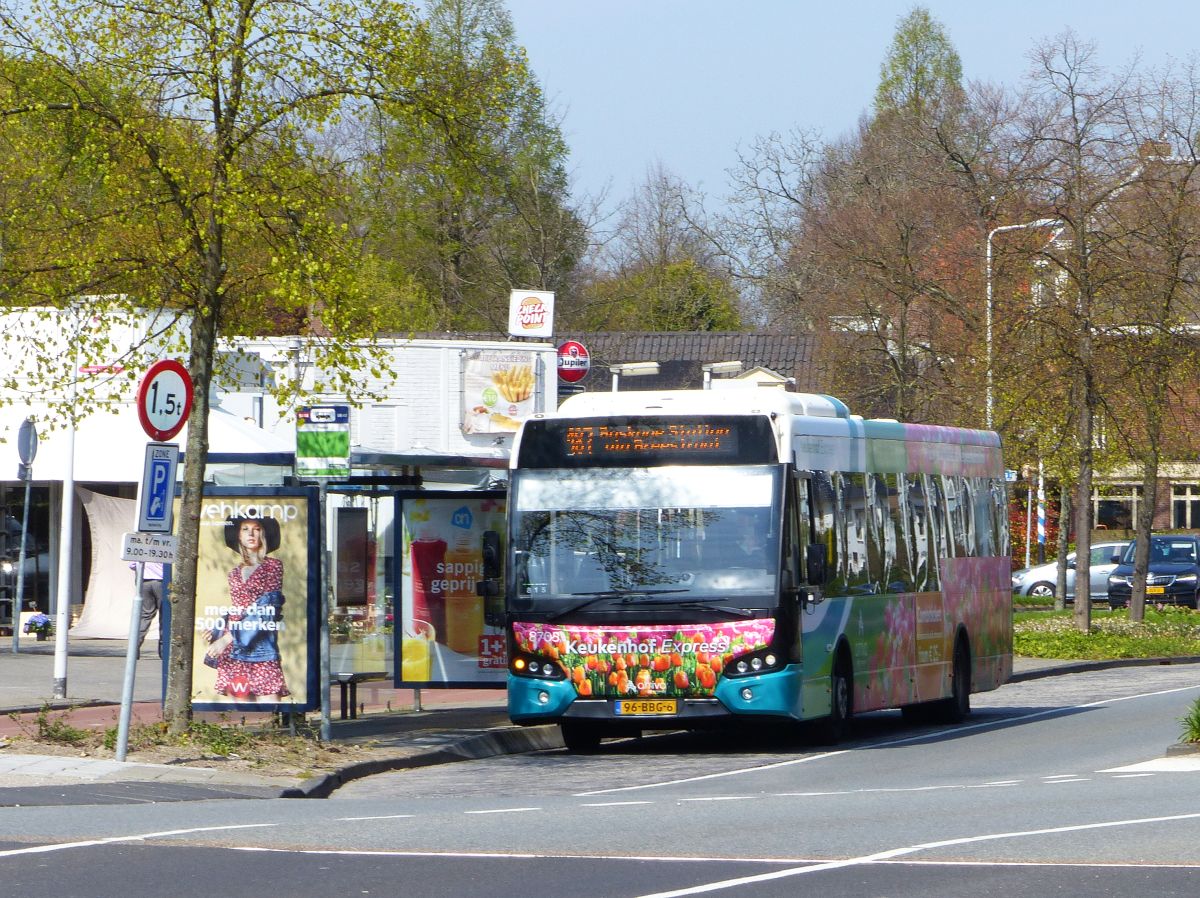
x=164 y=399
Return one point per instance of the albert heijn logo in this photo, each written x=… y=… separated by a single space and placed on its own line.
x=462 y=518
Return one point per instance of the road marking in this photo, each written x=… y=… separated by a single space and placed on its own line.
x=140 y=837
x=713 y=776
x=890 y=854
x=1077 y=779
x=503 y=811
x=382 y=817
x=1160 y=765
x=719 y=798
x=924 y=737
x=613 y=804
x=1130 y=776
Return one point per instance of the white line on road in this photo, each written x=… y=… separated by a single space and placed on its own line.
x=140 y=837
x=503 y=811
x=923 y=737
x=381 y=817
x=899 y=852
x=613 y=804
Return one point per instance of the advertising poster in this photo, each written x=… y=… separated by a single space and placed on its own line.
x=448 y=635
x=255 y=635
x=498 y=390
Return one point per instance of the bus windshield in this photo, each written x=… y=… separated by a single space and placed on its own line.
x=687 y=533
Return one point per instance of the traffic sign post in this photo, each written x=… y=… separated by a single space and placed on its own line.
x=156 y=497
x=27 y=446
x=164 y=399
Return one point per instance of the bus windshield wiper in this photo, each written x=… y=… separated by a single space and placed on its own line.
x=625 y=595
x=706 y=604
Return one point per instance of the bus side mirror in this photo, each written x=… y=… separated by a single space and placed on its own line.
x=491 y=555
x=814 y=563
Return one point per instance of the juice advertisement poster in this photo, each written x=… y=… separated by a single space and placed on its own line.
x=448 y=633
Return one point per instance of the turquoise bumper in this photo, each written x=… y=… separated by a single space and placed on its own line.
x=776 y=694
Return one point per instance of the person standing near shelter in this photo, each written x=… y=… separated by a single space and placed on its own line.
x=152 y=598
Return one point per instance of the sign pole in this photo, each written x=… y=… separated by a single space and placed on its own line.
x=326 y=560
x=27 y=443
x=131 y=655
x=164 y=401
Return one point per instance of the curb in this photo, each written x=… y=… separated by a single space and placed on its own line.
x=508 y=741
x=1086 y=666
x=1183 y=748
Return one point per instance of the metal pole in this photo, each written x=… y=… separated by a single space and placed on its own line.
x=20 y=602
x=1041 y=513
x=1028 y=521
x=131 y=655
x=66 y=555
x=615 y=376
x=326 y=715
x=988 y=396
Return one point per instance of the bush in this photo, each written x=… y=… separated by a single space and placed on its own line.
x=1191 y=724
x=1166 y=633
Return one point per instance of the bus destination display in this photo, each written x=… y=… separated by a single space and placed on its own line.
x=632 y=440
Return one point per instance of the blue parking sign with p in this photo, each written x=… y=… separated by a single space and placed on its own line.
x=157 y=494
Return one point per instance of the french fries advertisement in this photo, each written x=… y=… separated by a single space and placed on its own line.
x=499 y=390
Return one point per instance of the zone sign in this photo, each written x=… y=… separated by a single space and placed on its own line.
x=164 y=399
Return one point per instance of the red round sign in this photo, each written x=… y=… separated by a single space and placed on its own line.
x=164 y=399
x=573 y=361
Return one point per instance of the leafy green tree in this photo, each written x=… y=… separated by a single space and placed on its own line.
x=474 y=205
x=678 y=296
x=921 y=71
x=217 y=162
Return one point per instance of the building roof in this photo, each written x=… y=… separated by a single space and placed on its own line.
x=681 y=353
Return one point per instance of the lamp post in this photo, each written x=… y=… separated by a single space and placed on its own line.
x=989 y=400
x=712 y=368
x=631 y=369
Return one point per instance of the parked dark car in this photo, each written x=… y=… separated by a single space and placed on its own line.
x=1173 y=577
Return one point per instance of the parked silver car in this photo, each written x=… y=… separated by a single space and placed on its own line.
x=1039 y=580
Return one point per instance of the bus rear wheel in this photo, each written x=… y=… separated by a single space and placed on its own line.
x=955 y=708
x=579 y=737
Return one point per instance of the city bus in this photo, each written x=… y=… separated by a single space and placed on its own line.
x=685 y=559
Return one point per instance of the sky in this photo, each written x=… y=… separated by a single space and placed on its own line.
x=684 y=83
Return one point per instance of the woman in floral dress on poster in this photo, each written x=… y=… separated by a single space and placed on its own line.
x=244 y=648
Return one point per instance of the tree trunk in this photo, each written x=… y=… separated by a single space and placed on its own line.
x=1064 y=546
x=177 y=706
x=1145 y=524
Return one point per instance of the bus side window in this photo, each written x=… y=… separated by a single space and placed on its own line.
x=943 y=545
x=857 y=510
x=899 y=578
x=827 y=521
x=1000 y=514
x=919 y=531
x=985 y=527
x=796 y=531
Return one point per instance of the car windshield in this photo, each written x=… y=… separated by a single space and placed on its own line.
x=1165 y=550
x=690 y=533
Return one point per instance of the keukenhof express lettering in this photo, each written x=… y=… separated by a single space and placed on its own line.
x=651 y=645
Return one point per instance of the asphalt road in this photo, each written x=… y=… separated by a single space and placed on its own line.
x=1054 y=786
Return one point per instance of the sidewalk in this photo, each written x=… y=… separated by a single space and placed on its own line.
x=452 y=724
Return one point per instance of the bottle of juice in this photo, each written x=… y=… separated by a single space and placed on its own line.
x=464 y=607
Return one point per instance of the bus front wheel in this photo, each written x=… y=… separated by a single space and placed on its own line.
x=833 y=728
x=578 y=737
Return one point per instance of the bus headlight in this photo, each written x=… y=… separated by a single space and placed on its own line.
x=525 y=665
x=762 y=661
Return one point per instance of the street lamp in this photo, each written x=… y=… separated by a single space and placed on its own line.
x=631 y=369
x=989 y=401
x=712 y=368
